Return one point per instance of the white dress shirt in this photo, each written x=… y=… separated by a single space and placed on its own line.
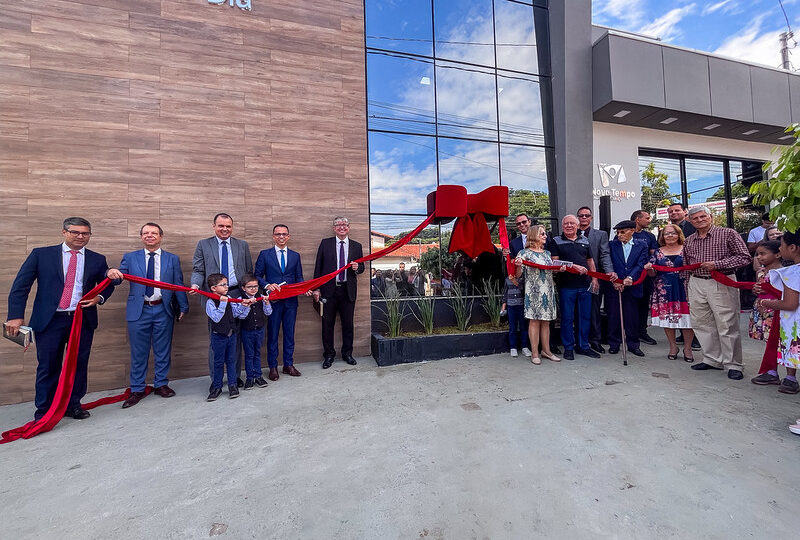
x=77 y=289
x=346 y=254
x=285 y=256
x=156 y=272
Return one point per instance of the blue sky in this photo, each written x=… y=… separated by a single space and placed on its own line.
x=743 y=29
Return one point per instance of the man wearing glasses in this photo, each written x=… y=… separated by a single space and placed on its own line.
x=64 y=273
x=339 y=293
x=599 y=250
x=523 y=224
x=275 y=266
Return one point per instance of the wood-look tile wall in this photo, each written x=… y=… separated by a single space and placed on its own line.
x=127 y=111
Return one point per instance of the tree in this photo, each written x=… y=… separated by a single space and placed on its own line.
x=783 y=186
x=655 y=189
x=429 y=262
x=524 y=201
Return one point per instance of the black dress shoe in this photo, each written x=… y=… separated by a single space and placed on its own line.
x=613 y=350
x=349 y=359
x=696 y=345
x=214 y=394
x=596 y=347
x=327 y=362
x=568 y=355
x=701 y=366
x=735 y=374
x=647 y=339
x=239 y=382
x=637 y=352
x=78 y=414
x=587 y=352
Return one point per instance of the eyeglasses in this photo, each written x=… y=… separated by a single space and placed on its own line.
x=280 y=234
x=79 y=234
x=341 y=224
x=584 y=215
x=521 y=223
x=221 y=285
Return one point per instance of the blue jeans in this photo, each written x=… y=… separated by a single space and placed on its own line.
x=517 y=324
x=570 y=298
x=251 y=343
x=224 y=348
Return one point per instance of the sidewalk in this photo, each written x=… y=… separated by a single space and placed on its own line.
x=489 y=447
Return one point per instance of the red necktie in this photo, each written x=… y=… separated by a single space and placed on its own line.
x=69 y=280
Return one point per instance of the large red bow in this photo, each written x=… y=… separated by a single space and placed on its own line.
x=471 y=211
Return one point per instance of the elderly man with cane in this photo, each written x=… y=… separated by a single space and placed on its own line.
x=628 y=256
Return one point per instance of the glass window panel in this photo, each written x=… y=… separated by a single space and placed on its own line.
x=472 y=164
x=516 y=38
x=463 y=30
x=466 y=100
x=520 y=105
x=745 y=216
x=400 y=269
x=402 y=171
x=705 y=185
x=400 y=94
x=400 y=26
x=654 y=192
x=524 y=171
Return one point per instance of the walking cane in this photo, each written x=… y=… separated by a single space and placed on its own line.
x=622 y=327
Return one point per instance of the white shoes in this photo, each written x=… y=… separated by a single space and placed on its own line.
x=514 y=353
x=795 y=428
x=526 y=351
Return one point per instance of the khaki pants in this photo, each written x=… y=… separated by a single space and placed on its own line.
x=714 y=309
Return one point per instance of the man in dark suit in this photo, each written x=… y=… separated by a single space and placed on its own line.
x=598 y=248
x=150 y=312
x=339 y=293
x=628 y=256
x=64 y=273
x=642 y=219
x=275 y=266
x=516 y=245
x=677 y=216
x=222 y=254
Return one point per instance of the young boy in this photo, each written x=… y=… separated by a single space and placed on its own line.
x=513 y=303
x=223 y=315
x=252 y=333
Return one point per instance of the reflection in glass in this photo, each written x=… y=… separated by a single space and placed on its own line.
x=464 y=31
x=520 y=103
x=400 y=94
x=466 y=100
x=404 y=272
x=524 y=171
x=705 y=184
x=400 y=26
x=516 y=38
x=471 y=164
x=650 y=168
x=402 y=171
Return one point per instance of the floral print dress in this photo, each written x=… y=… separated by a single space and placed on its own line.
x=668 y=305
x=540 y=292
x=760 y=318
x=789 y=347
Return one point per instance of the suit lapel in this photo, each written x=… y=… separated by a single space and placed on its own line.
x=214 y=246
x=57 y=252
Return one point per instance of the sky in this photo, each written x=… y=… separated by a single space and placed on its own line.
x=742 y=29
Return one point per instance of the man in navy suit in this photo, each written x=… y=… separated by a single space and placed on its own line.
x=339 y=293
x=64 y=273
x=628 y=256
x=150 y=312
x=274 y=267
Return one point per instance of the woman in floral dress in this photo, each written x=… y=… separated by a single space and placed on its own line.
x=540 y=292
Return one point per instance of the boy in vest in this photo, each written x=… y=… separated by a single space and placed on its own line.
x=252 y=332
x=224 y=334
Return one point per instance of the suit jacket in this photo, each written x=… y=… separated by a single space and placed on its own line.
x=598 y=248
x=206 y=260
x=135 y=264
x=327 y=262
x=268 y=270
x=633 y=268
x=45 y=266
x=516 y=245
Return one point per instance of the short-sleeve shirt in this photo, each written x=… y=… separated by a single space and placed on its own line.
x=577 y=252
x=648 y=238
x=756 y=234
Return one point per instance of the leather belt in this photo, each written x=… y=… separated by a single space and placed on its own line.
x=709 y=277
x=153 y=302
x=65 y=314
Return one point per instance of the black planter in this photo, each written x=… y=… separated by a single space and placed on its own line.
x=405 y=350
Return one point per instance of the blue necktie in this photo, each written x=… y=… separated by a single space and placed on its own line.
x=283 y=262
x=151 y=272
x=223 y=263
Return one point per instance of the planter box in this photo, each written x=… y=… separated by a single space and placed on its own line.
x=405 y=350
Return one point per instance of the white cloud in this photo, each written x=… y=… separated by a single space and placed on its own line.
x=725 y=5
x=754 y=45
x=629 y=12
x=666 y=26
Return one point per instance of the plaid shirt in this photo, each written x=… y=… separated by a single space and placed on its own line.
x=721 y=245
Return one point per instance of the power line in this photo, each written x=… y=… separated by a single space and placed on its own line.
x=789 y=26
x=423 y=40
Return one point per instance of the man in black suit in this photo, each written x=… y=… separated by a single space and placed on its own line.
x=677 y=216
x=340 y=292
x=598 y=248
x=63 y=273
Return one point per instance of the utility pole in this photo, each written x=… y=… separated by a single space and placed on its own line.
x=785 y=37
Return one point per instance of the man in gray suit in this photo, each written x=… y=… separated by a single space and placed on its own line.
x=225 y=255
x=598 y=249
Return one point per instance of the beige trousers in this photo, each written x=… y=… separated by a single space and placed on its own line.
x=714 y=310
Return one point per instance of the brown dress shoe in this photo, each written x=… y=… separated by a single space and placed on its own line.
x=273 y=374
x=291 y=370
x=164 y=391
x=133 y=399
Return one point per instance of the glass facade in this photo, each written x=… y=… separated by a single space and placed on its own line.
x=455 y=91
x=721 y=183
